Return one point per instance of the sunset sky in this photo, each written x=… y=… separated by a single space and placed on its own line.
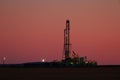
x=31 y=30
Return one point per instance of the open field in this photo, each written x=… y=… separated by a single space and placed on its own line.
x=87 y=73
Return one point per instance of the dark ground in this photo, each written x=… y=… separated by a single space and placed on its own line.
x=87 y=73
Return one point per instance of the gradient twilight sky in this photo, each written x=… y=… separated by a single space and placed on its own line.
x=31 y=30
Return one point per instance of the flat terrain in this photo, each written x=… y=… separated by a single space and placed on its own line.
x=87 y=73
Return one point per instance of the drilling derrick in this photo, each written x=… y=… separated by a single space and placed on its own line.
x=67 y=40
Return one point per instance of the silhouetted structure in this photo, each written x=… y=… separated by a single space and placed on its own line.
x=67 y=44
x=73 y=59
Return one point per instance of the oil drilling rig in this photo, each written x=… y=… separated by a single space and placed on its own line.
x=67 y=45
x=69 y=56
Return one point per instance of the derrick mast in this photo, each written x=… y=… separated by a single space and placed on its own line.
x=67 y=40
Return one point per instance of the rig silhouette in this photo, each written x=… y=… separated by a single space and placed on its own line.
x=69 y=58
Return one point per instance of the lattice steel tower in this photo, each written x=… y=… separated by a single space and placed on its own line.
x=67 y=40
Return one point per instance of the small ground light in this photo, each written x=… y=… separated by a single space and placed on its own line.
x=4 y=58
x=43 y=60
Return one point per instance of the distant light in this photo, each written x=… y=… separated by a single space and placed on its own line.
x=86 y=62
x=4 y=58
x=71 y=63
x=43 y=60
